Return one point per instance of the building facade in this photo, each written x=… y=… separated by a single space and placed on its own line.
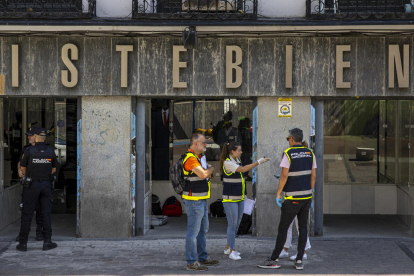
x=99 y=76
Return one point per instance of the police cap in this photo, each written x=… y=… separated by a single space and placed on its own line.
x=31 y=131
x=40 y=131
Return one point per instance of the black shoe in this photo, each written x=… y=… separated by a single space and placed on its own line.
x=47 y=245
x=39 y=236
x=21 y=247
x=18 y=238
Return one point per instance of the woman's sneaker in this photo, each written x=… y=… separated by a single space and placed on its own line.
x=299 y=265
x=196 y=266
x=269 y=264
x=293 y=258
x=234 y=256
x=227 y=251
x=283 y=255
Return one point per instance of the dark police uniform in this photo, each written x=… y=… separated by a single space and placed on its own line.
x=39 y=236
x=39 y=161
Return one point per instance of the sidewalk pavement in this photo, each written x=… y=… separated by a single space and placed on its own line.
x=140 y=256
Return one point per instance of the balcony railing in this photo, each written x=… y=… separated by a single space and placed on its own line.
x=360 y=9
x=47 y=9
x=195 y=9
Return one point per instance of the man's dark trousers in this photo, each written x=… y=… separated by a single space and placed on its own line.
x=38 y=191
x=290 y=209
x=38 y=213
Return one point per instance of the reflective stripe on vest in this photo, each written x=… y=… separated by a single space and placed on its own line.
x=230 y=179
x=298 y=183
x=196 y=188
x=299 y=173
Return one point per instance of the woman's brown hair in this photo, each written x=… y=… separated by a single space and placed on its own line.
x=305 y=144
x=227 y=149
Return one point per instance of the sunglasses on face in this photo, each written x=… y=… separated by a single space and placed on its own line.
x=287 y=138
x=204 y=142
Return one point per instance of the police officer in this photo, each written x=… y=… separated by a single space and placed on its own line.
x=38 y=165
x=296 y=181
x=30 y=137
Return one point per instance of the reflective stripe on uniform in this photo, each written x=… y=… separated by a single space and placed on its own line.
x=299 y=173
x=232 y=197
x=194 y=178
x=195 y=194
x=307 y=192
x=232 y=180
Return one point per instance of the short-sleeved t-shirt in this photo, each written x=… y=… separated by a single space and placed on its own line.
x=231 y=165
x=25 y=158
x=191 y=162
x=286 y=164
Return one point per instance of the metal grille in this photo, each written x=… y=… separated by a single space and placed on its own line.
x=195 y=9
x=359 y=9
x=47 y=9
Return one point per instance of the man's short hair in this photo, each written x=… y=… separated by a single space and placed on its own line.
x=296 y=134
x=40 y=138
x=195 y=137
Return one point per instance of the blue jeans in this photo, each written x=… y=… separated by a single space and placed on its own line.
x=234 y=214
x=197 y=228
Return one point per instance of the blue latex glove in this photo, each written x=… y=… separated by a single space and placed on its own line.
x=279 y=201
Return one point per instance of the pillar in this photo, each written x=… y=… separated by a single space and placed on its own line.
x=105 y=188
x=271 y=142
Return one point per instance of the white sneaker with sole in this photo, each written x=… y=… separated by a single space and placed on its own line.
x=227 y=252
x=283 y=255
x=234 y=256
x=293 y=258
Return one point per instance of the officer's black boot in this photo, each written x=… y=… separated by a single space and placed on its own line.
x=21 y=247
x=39 y=235
x=47 y=245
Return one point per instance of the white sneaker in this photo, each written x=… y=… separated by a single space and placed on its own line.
x=283 y=255
x=293 y=258
x=234 y=256
x=227 y=252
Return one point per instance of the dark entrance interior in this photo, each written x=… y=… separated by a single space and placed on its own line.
x=59 y=117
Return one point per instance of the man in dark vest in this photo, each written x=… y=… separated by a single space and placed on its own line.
x=296 y=181
x=30 y=137
x=38 y=164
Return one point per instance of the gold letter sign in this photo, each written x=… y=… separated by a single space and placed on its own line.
x=124 y=49
x=395 y=56
x=15 y=65
x=236 y=66
x=340 y=65
x=68 y=62
x=177 y=65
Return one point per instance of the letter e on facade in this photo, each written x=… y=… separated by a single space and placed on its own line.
x=68 y=63
x=177 y=65
x=340 y=65
x=394 y=64
x=234 y=67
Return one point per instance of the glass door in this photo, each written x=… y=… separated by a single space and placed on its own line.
x=404 y=127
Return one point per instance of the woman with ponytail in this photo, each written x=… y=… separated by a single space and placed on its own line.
x=234 y=190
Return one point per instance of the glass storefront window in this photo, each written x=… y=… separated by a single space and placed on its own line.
x=369 y=141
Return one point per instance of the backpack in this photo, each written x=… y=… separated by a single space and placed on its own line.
x=172 y=207
x=217 y=209
x=245 y=224
x=156 y=205
x=177 y=176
